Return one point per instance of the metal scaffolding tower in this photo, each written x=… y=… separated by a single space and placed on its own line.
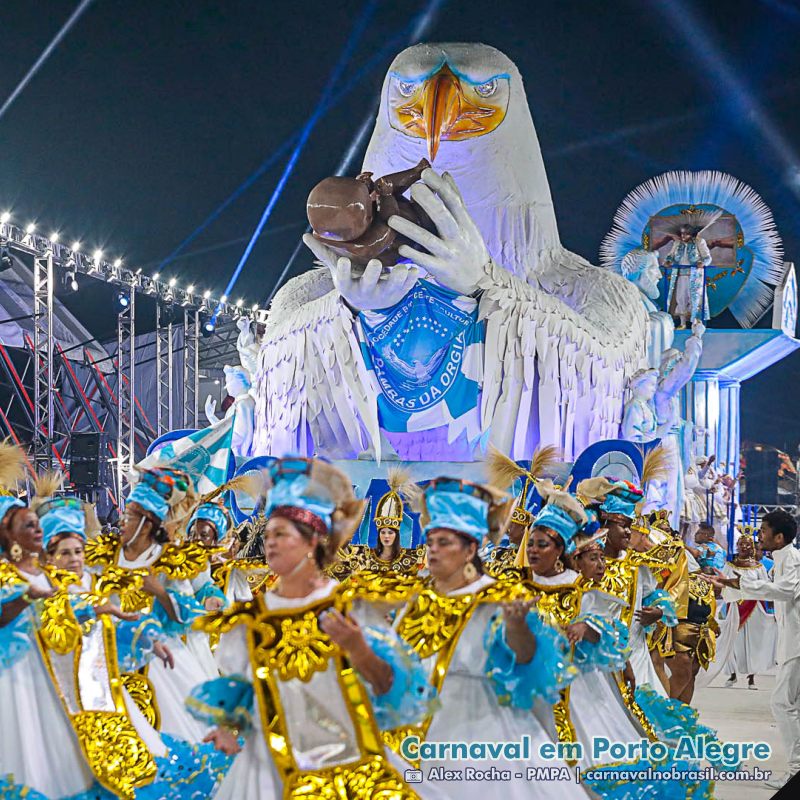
x=126 y=410
x=191 y=360
x=164 y=371
x=43 y=421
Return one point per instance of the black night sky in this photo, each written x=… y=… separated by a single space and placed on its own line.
x=150 y=114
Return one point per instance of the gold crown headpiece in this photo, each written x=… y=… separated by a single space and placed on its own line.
x=389 y=509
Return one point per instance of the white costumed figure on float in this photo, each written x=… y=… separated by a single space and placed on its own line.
x=237 y=385
x=671 y=214
x=653 y=410
x=641 y=268
x=640 y=423
x=493 y=332
x=675 y=372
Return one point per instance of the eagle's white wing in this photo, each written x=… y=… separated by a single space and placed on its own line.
x=559 y=366
x=314 y=393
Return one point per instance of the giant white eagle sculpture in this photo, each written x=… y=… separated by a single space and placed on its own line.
x=540 y=341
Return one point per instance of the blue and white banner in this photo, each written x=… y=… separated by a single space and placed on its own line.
x=204 y=455
x=420 y=351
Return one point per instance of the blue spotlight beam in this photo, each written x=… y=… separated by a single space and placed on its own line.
x=282 y=149
x=343 y=167
x=723 y=78
x=600 y=140
x=355 y=35
x=421 y=26
x=65 y=29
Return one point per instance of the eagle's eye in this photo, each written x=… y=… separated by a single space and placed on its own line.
x=486 y=89
x=406 y=88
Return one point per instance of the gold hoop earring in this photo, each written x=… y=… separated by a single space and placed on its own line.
x=559 y=566
x=15 y=552
x=470 y=573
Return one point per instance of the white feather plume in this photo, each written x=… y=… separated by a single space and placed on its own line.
x=712 y=188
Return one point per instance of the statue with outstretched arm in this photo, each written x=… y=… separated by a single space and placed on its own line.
x=247 y=345
x=677 y=369
x=237 y=385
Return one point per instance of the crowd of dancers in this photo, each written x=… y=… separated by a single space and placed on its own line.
x=180 y=657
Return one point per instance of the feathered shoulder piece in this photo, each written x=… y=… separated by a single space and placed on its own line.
x=102 y=550
x=183 y=561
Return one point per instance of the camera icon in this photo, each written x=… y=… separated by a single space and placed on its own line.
x=413 y=776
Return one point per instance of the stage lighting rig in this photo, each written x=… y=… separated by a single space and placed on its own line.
x=123 y=301
x=170 y=314
x=70 y=276
x=207 y=325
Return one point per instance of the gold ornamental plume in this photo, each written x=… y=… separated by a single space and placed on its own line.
x=503 y=471
x=12 y=465
x=400 y=481
x=656 y=465
x=46 y=486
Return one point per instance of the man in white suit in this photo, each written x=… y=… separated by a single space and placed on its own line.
x=782 y=586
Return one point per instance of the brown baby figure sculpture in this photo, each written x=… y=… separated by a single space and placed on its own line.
x=350 y=215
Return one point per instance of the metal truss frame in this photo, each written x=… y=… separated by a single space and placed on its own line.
x=164 y=373
x=43 y=412
x=221 y=349
x=191 y=365
x=126 y=381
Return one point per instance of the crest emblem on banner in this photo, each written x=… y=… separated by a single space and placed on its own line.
x=417 y=349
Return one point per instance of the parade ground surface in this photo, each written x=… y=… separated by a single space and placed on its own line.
x=738 y=713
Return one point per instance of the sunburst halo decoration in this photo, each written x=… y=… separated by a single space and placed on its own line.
x=708 y=190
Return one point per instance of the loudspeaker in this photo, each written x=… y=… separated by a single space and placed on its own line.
x=86 y=473
x=87 y=459
x=761 y=477
x=86 y=446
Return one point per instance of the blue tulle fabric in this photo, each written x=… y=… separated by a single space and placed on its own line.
x=189 y=772
x=659 y=598
x=610 y=652
x=136 y=640
x=82 y=608
x=615 y=785
x=12 y=591
x=16 y=791
x=223 y=701
x=673 y=719
x=670 y=718
x=16 y=639
x=208 y=590
x=411 y=696
x=187 y=610
x=545 y=675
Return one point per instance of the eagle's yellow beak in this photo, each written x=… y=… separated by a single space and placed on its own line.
x=445 y=107
x=441 y=104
